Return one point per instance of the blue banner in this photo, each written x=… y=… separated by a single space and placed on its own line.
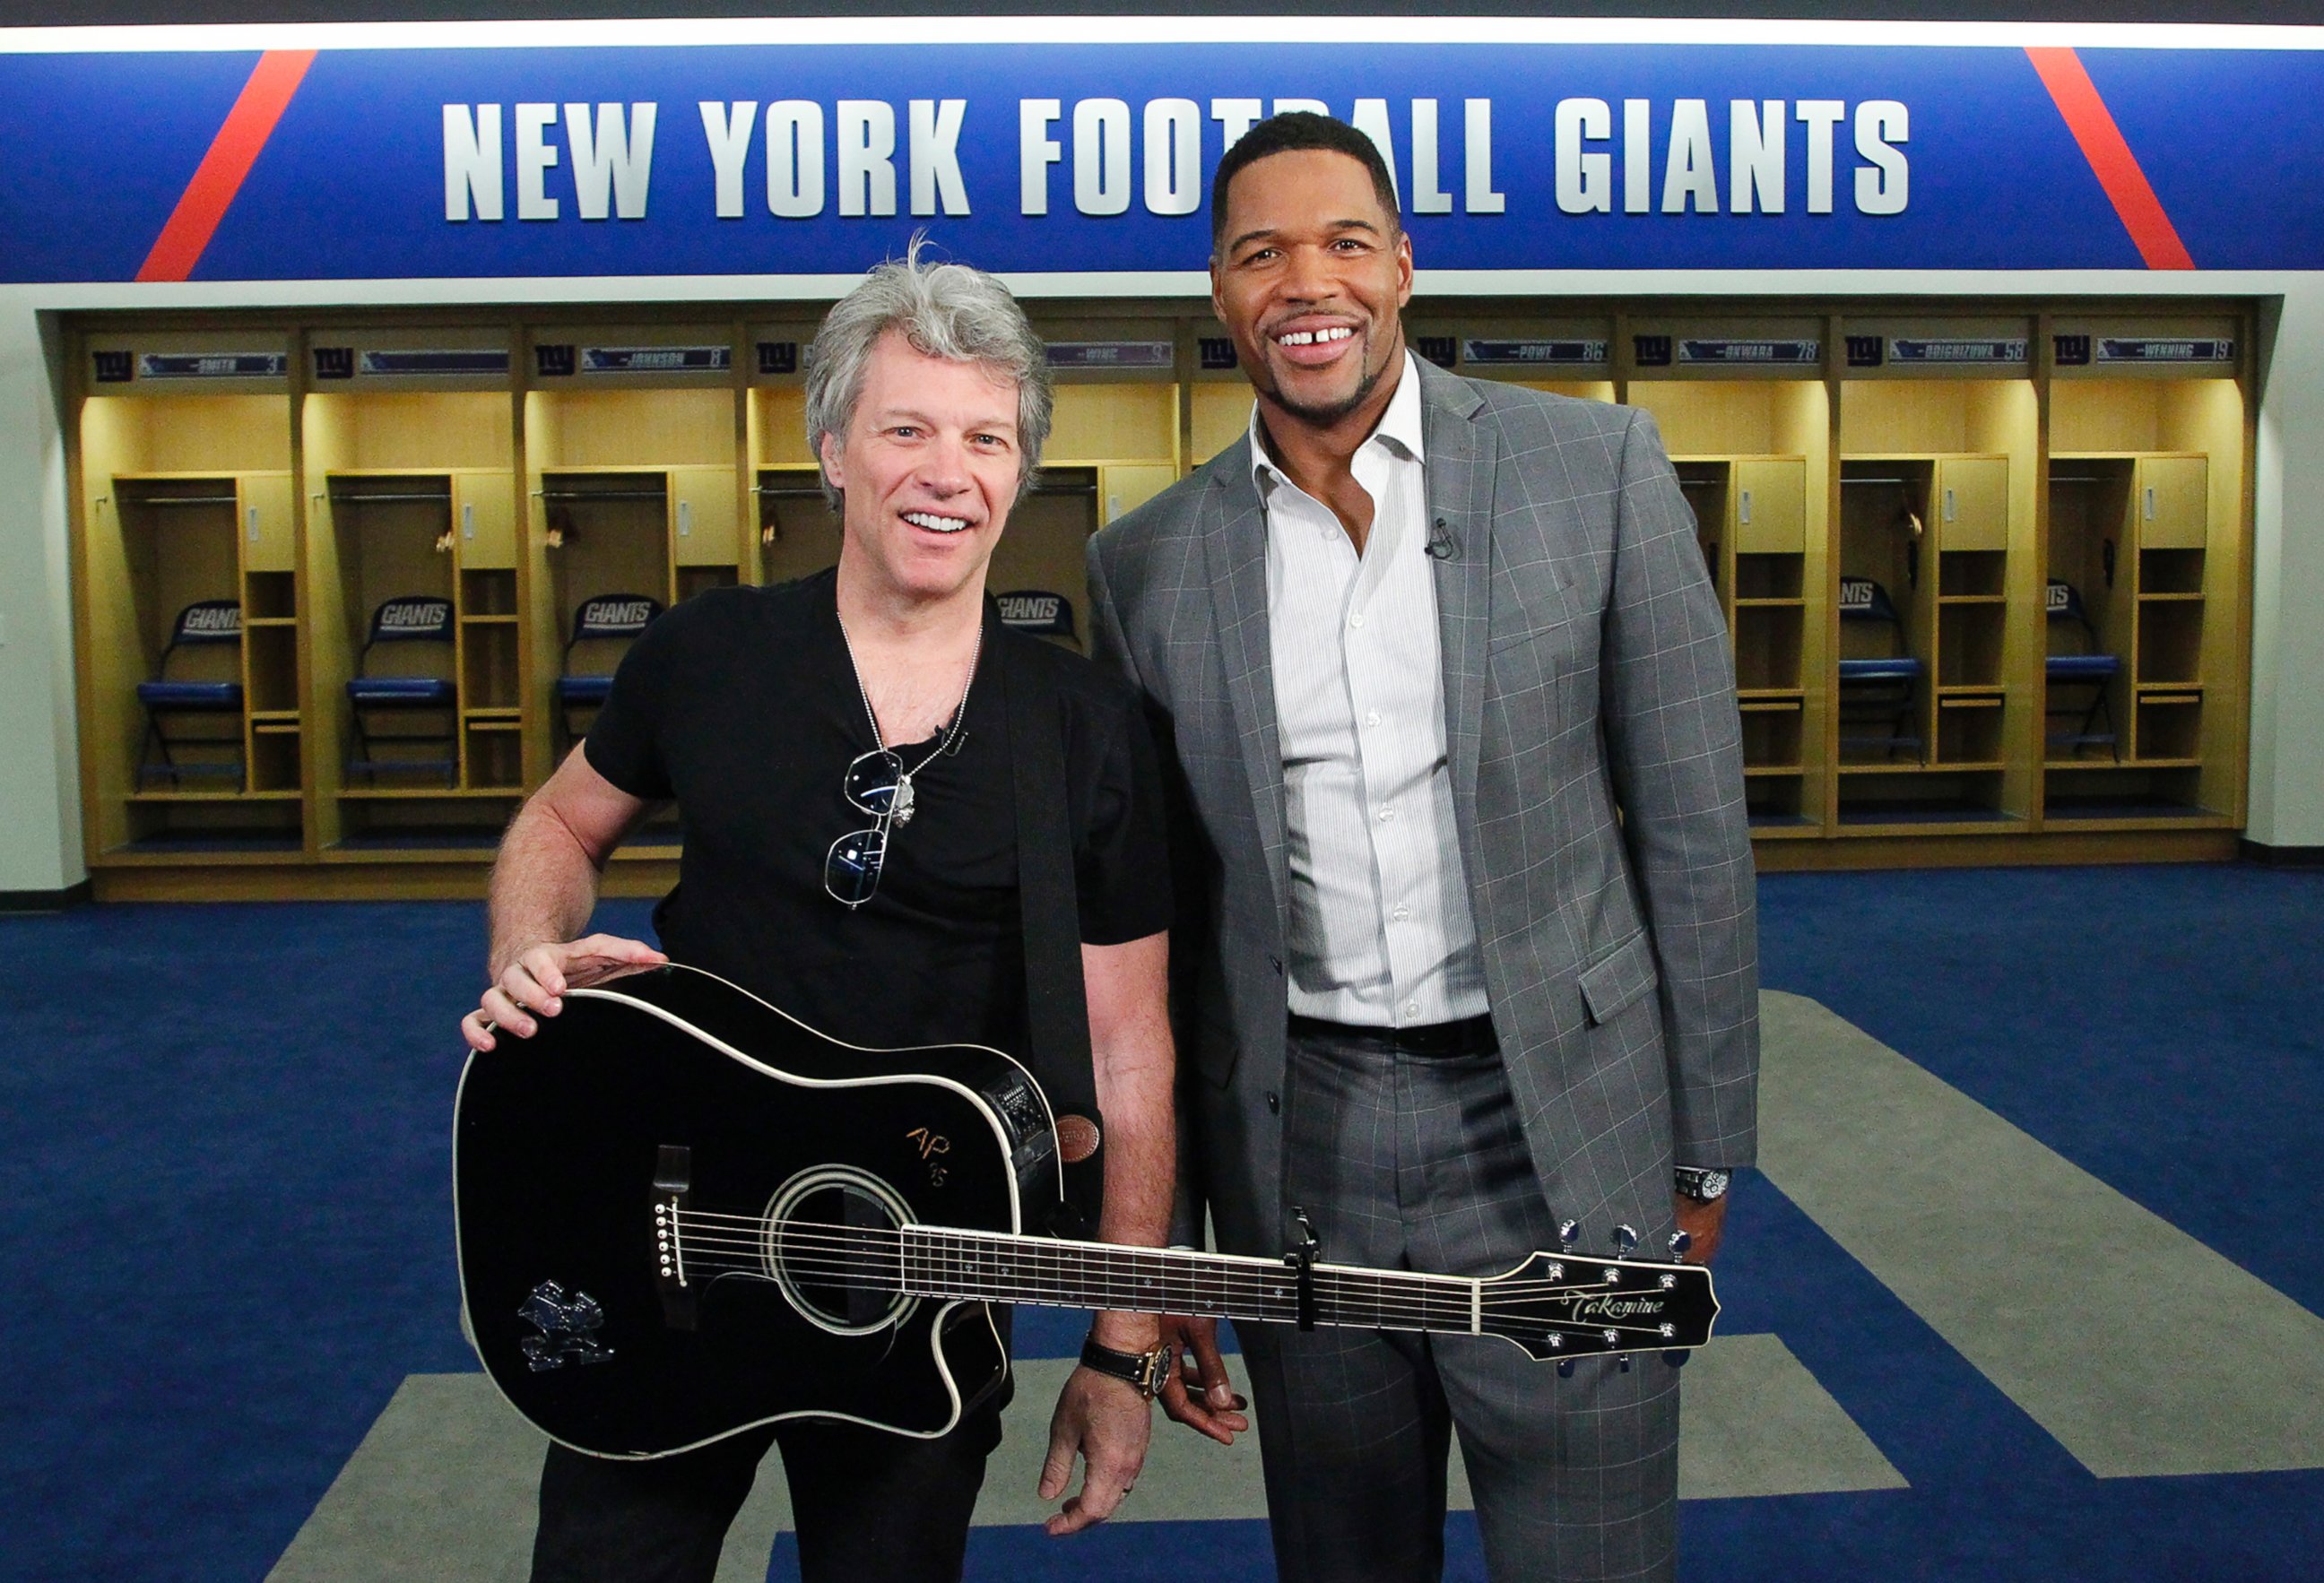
x=1090 y=160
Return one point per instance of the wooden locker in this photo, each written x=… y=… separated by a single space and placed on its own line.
x=1771 y=505
x=1972 y=503
x=1122 y=490
x=268 y=544
x=703 y=522
x=2172 y=501
x=483 y=520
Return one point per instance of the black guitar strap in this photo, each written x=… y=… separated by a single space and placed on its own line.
x=1056 y=1008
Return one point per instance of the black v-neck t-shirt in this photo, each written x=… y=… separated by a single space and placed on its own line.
x=741 y=705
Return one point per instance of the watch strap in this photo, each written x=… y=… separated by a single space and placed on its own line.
x=1144 y=1372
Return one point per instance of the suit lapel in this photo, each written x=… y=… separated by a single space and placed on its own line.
x=1234 y=544
x=1461 y=459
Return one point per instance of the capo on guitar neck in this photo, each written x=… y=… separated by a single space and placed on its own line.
x=1302 y=1262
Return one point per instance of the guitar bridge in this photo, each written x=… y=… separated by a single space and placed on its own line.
x=673 y=1186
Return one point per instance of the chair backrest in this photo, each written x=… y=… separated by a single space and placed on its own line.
x=1863 y=600
x=1039 y=611
x=612 y=615
x=208 y=621
x=609 y=618
x=204 y=621
x=2064 y=602
x=410 y=618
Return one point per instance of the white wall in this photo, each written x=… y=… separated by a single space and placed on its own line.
x=39 y=821
x=2287 y=760
x=39 y=806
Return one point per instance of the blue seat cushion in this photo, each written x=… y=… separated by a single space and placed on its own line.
x=1903 y=667
x=217 y=695
x=405 y=690
x=2082 y=668
x=585 y=689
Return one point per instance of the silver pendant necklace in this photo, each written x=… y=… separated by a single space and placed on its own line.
x=901 y=808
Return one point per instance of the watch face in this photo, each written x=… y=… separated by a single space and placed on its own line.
x=1712 y=1185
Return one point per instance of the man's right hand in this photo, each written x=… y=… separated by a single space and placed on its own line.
x=534 y=981
x=1198 y=1392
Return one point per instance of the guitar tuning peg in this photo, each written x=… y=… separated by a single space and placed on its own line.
x=1676 y=1358
x=1565 y=1369
x=1626 y=1241
x=1679 y=1243
x=1622 y=1360
x=1569 y=1232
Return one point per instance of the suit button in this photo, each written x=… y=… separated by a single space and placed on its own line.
x=1274 y=1103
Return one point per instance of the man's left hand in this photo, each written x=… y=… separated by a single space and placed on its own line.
x=1105 y=1421
x=1702 y=1223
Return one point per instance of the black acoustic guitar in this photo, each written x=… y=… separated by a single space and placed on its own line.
x=683 y=1213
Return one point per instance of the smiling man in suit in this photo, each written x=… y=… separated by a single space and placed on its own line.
x=1467 y=940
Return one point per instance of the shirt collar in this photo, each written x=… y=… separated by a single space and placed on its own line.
x=1400 y=426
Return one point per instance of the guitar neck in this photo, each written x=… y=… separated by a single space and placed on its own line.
x=996 y=1267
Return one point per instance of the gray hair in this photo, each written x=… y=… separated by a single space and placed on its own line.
x=947 y=310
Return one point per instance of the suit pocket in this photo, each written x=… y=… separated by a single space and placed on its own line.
x=1518 y=622
x=1617 y=981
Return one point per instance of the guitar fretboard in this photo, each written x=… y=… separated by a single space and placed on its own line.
x=939 y=1262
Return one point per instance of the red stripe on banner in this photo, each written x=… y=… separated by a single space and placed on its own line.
x=2116 y=167
x=268 y=93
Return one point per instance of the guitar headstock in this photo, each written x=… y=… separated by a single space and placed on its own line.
x=1573 y=1305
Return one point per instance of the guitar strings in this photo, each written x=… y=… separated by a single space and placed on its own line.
x=1341 y=1320
x=974 y=1258
x=849 y=1258
x=975 y=1249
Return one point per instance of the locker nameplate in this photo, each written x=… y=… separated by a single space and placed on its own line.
x=2162 y=349
x=1110 y=354
x=212 y=364
x=393 y=363
x=1913 y=349
x=657 y=359
x=1699 y=350
x=1484 y=353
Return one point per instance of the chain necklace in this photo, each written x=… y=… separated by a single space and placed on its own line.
x=901 y=807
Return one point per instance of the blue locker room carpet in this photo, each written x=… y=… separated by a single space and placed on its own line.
x=225 y=1148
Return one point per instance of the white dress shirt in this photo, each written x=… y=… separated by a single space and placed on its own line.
x=1380 y=931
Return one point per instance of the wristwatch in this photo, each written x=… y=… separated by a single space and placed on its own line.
x=1701 y=1183
x=1146 y=1372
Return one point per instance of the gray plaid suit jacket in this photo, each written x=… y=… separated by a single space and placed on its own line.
x=1597 y=773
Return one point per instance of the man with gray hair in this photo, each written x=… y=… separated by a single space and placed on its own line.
x=842 y=750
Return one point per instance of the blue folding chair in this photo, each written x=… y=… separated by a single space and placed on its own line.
x=407 y=619
x=2088 y=666
x=604 y=618
x=1877 y=689
x=203 y=624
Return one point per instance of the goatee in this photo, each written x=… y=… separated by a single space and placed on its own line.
x=1324 y=415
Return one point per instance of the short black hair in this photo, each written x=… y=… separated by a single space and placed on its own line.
x=1294 y=131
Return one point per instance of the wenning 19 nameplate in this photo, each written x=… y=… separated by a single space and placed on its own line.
x=1510 y=354
x=2164 y=349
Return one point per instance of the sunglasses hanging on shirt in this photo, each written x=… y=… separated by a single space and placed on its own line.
x=877 y=783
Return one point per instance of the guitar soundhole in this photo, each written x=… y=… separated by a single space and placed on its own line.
x=834 y=1243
